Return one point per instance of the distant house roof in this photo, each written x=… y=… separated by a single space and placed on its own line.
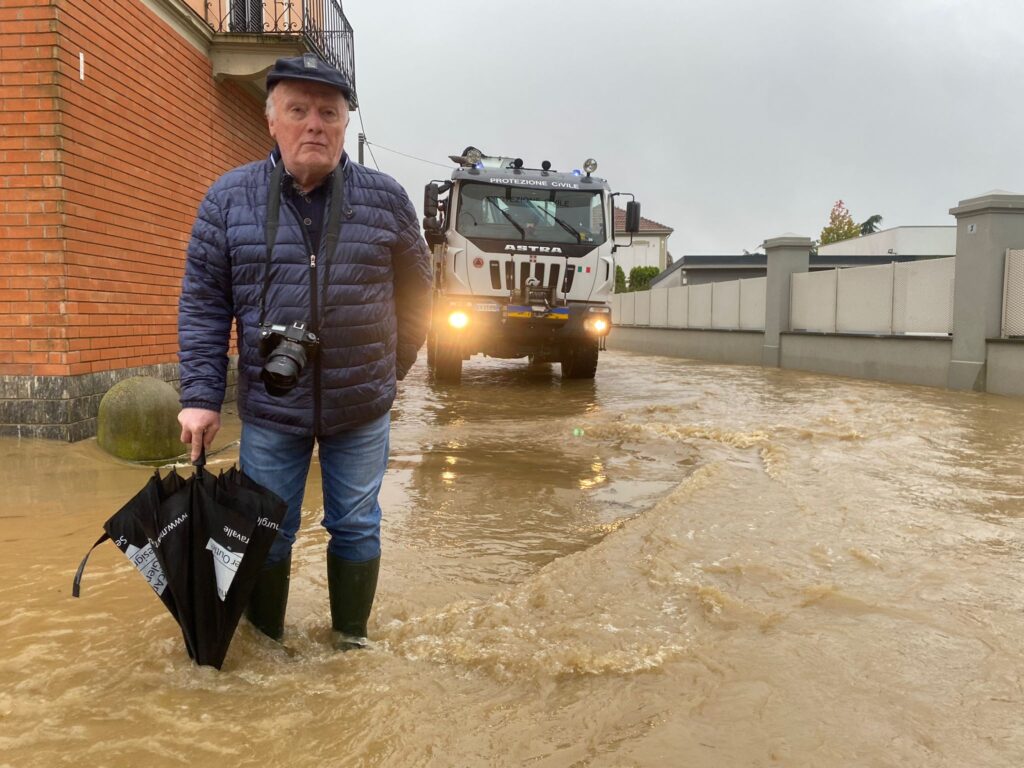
x=911 y=241
x=759 y=260
x=646 y=225
x=676 y=265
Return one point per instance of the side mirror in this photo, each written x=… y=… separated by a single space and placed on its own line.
x=633 y=217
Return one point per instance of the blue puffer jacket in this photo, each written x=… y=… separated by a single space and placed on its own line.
x=373 y=301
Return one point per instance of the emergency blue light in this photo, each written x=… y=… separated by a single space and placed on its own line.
x=577 y=172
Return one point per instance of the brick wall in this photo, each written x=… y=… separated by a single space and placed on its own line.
x=32 y=282
x=101 y=180
x=146 y=132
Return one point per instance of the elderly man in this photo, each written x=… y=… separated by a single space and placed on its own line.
x=321 y=265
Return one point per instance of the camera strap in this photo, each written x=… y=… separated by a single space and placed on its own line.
x=273 y=219
x=331 y=233
x=330 y=237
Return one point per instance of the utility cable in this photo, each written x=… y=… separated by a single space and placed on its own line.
x=411 y=157
x=370 y=145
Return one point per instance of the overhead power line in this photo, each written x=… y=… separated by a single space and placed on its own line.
x=370 y=145
x=404 y=154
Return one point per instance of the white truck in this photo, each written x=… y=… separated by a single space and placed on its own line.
x=523 y=263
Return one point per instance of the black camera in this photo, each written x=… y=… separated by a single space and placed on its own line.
x=286 y=347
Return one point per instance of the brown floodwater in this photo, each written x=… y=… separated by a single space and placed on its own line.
x=678 y=564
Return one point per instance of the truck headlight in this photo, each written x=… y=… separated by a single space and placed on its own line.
x=597 y=324
x=458 y=319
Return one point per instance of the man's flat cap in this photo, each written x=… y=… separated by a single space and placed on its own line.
x=311 y=68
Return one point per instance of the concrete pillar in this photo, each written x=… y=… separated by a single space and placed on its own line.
x=787 y=254
x=985 y=227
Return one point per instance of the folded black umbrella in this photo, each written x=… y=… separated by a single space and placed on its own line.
x=125 y=530
x=200 y=543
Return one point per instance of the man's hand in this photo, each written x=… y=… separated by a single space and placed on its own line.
x=198 y=427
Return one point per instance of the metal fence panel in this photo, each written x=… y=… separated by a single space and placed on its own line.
x=725 y=305
x=699 y=310
x=753 y=292
x=678 y=306
x=922 y=297
x=812 y=304
x=1013 y=294
x=642 y=309
x=659 y=308
x=864 y=300
x=628 y=308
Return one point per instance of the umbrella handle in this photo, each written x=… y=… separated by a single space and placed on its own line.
x=201 y=461
x=76 y=585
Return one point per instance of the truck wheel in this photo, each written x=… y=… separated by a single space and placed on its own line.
x=447 y=362
x=579 y=360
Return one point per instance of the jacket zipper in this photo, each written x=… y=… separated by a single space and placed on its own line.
x=314 y=319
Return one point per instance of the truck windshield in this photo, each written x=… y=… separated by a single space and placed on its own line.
x=531 y=215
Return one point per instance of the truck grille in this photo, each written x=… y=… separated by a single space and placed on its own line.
x=553 y=276
x=514 y=282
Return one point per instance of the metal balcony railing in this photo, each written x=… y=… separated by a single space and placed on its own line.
x=321 y=22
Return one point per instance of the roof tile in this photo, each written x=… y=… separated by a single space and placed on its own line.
x=646 y=225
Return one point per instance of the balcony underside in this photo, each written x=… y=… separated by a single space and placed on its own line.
x=243 y=38
x=247 y=58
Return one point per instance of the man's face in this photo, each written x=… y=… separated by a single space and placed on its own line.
x=308 y=121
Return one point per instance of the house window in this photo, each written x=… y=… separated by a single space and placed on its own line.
x=246 y=15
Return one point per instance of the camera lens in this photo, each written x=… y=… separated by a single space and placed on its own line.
x=282 y=369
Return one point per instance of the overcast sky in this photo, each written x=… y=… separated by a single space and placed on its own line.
x=732 y=121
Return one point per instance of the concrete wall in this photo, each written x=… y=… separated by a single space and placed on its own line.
x=1005 y=367
x=904 y=359
x=971 y=356
x=737 y=347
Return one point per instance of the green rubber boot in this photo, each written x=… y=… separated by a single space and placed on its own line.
x=270 y=598
x=352 y=587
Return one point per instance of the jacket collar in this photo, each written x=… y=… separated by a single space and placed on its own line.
x=275 y=158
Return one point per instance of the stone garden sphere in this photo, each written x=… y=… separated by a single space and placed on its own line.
x=138 y=420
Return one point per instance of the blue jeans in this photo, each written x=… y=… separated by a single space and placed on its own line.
x=352 y=464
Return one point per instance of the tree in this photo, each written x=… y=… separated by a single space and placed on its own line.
x=640 y=277
x=870 y=226
x=841 y=225
x=620 y=280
